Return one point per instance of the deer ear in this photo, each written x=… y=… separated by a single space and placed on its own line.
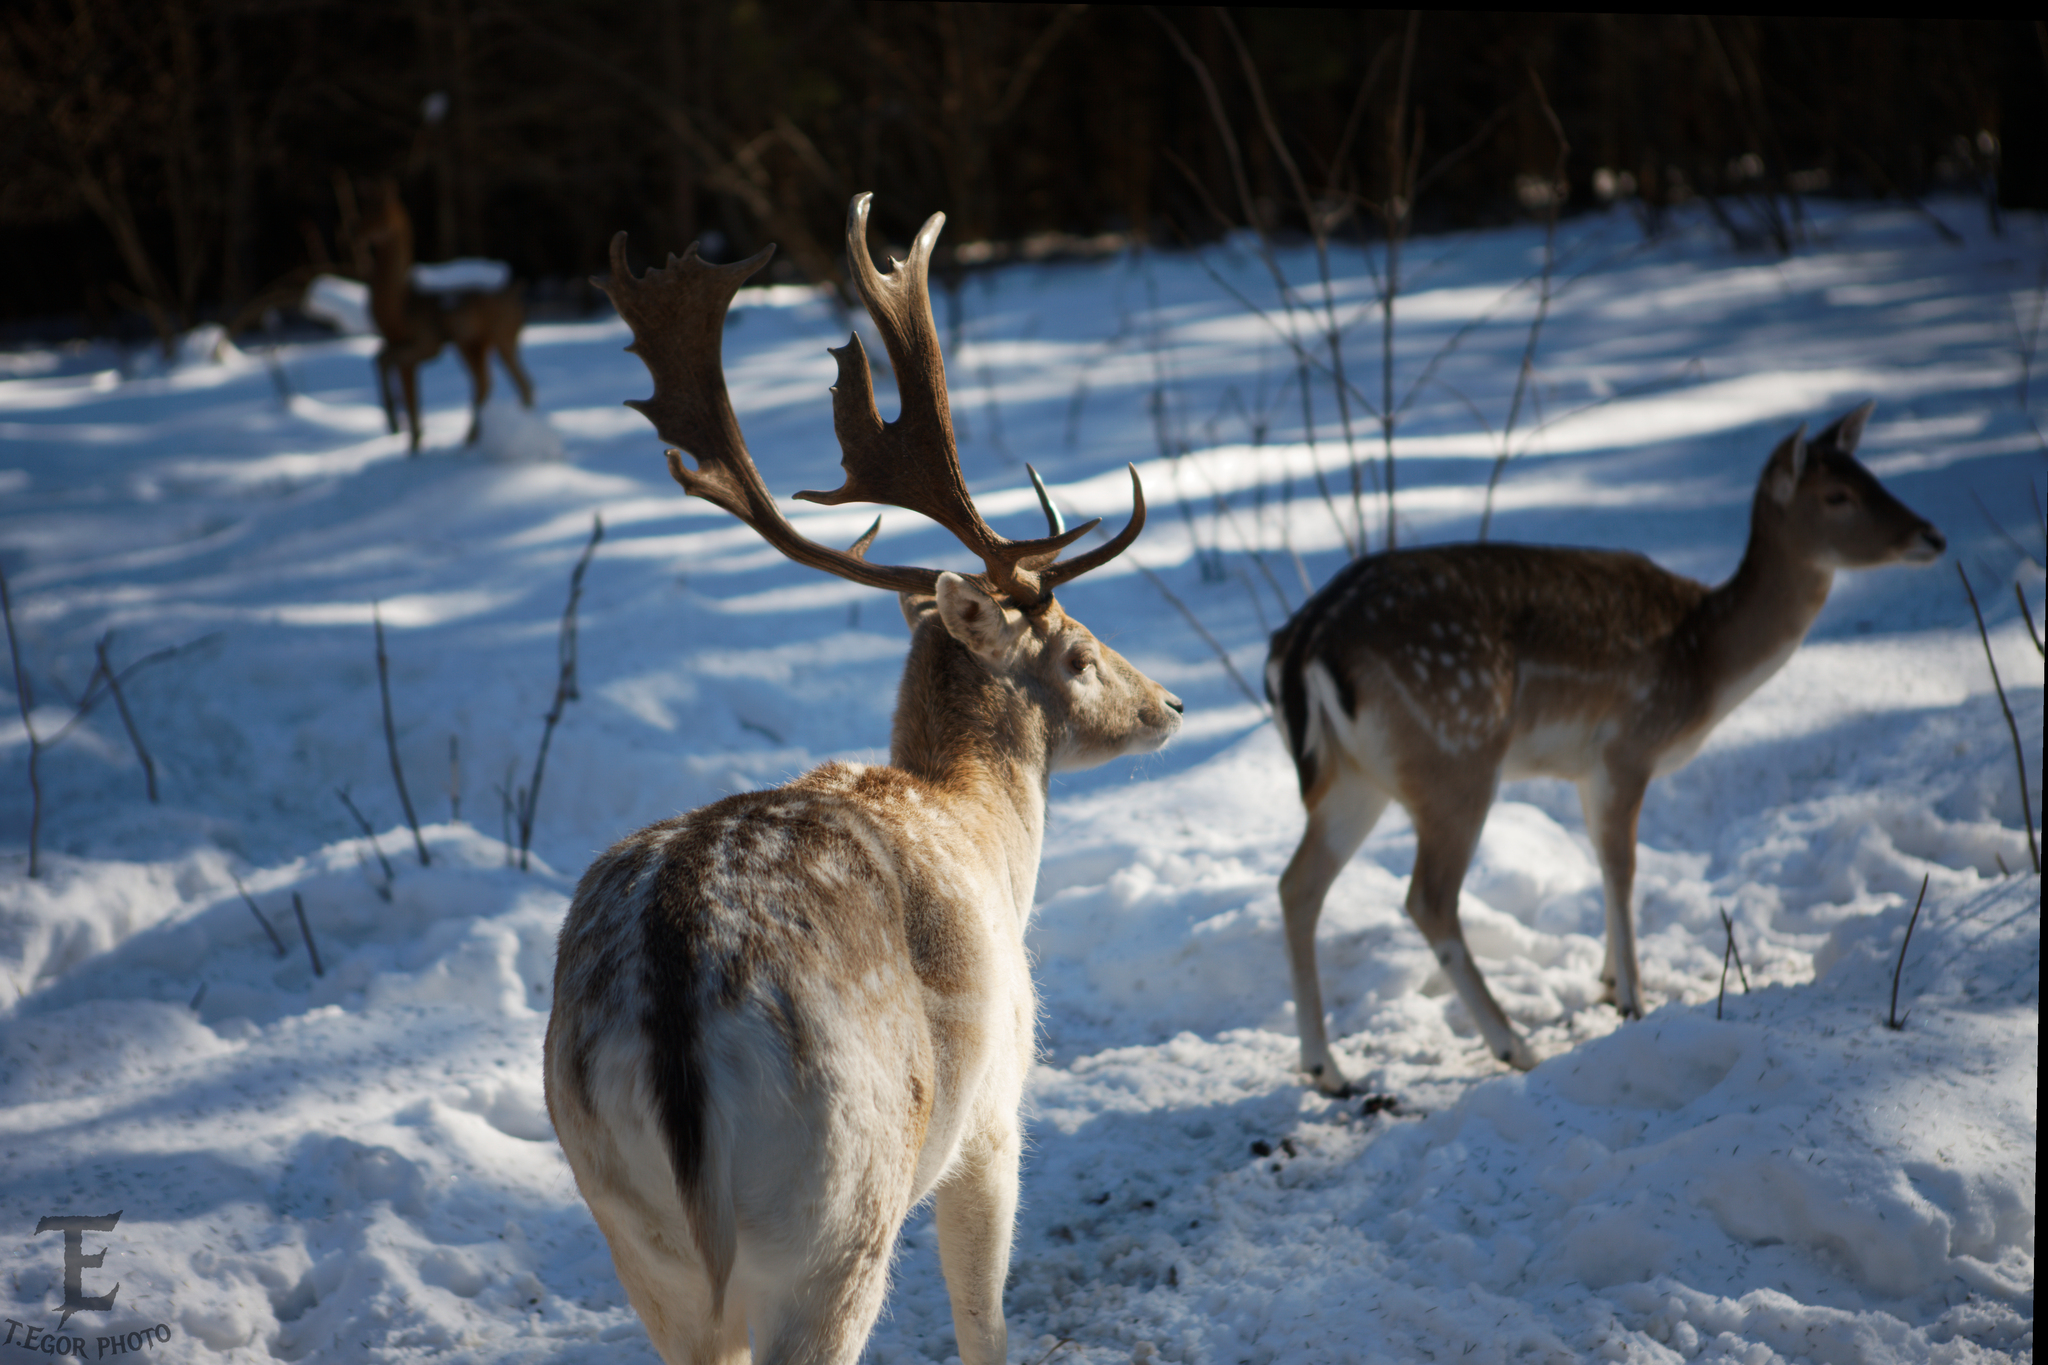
x=1788 y=462
x=1847 y=431
x=972 y=617
x=916 y=606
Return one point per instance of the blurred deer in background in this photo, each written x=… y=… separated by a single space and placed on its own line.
x=1426 y=676
x=783 y=1020
x=416 y=325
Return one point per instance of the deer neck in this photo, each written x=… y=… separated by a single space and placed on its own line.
x=391 y=280
x=980 y=743
x=1751 y=624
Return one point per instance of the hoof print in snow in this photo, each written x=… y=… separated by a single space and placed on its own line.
x=1379 y=1104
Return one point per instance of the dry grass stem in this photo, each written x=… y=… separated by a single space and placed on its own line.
x=2019 y=753
x=250 y=901
x=528 y=797
x=391 y=737
x=1210 y=640
x=306 y=932
x=1891 y=1019
x=370 y=835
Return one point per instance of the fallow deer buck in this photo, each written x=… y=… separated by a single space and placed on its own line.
x=415 y=325
x=781 y=1021
x=1426 y=676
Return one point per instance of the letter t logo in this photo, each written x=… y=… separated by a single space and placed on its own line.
x=76 y=1262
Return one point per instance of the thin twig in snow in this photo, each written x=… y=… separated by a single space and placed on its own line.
x=28 y=725
x=275 y=941
x=1891 y=1019
x=391 y=736
x=2028 y=613
x=1203 y=631
x=306 y=932
x=127 y=720
x=565 y=690
x=1728 y=925
x=454 y=781
x=371 y=835
x=2019 y=753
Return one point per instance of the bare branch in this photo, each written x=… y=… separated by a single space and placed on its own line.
x=2019 y=753
x=121 y=703
x=1203 y=631
x=528 y=800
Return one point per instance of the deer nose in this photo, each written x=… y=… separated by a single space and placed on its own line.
x=1935 y=539
x=1174 y=702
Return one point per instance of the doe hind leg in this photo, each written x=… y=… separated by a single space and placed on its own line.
x=824 y=1317
x=478 y=360
x=668 y=1288
x=1339 y=818
x=976 y=1215
x=508 y=352
x=1447 y=830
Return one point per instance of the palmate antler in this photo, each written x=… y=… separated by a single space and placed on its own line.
x=677 y=316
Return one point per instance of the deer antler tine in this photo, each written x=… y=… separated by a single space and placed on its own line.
x=1053 y=519
x=677 y=315
x=859 y=548
x=1057 y=574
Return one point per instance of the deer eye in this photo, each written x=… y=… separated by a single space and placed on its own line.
x=1837 y=497
x=1079 y=662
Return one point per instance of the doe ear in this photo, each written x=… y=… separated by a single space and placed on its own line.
x=916 y=606
x=1846 y=432
x=1787 y=463
x=972 y=617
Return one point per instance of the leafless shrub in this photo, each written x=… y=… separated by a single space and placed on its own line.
x=105 y=681
x=527 y=800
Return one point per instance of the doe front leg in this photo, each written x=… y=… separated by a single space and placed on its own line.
x=976 y=1214
x=384 y=392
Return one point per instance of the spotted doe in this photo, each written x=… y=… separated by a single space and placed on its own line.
x=1425 y=676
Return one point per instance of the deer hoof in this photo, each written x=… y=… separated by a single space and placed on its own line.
x=1518 y=1055
x=1330 y=1081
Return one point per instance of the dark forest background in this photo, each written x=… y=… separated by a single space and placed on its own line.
x=167 y=161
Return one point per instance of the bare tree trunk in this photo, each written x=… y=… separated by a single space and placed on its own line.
x=240 y=186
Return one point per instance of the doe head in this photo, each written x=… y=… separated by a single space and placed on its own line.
x=1832 y=511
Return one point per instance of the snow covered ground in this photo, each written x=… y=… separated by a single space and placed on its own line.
x=356 y=1164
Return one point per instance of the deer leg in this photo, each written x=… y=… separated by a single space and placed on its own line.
x=409 y=384
x=478 y=359
x=976 y=1213
x=668 y=1288
x=1612 y=801
x=825 y=1317
x=1337 y=824
x=508 y=351
x=1446 y=832
x=384 y=392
